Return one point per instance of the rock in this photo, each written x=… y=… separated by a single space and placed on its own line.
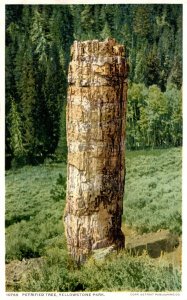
x=96 y=112
x=101 y=254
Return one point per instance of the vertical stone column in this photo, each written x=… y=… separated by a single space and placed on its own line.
x=96 y=109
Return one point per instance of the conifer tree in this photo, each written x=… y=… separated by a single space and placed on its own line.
x=38 y=40
x=16 y=140
x=27 y=97
x=106 y=32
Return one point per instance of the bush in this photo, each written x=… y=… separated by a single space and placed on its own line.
x=29 y=239
x=33 y=212
x=34 y=207
x=153 y=190
x=118 y=273
x=58 y=192
x=127 y=273
x=56 y=273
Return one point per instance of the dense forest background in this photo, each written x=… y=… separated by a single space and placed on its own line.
x=38 y=40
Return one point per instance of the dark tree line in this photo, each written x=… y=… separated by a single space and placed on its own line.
x=38 y=40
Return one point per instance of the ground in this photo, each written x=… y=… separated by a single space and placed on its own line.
x=168 y=248
x=35 y=243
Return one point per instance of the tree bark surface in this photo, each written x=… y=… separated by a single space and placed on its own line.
x=96 y=110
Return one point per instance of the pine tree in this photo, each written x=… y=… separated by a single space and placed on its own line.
x=61 y=150
x=106 y=32
x=38 y=40
x=16 y=141
x=26 y=90
x=87 y=22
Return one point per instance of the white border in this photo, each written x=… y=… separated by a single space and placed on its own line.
x=95 y=2
x=184 y=169
x=2 y=145
x=110 y=296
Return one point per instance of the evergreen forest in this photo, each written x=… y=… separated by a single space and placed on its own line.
x=38 y=40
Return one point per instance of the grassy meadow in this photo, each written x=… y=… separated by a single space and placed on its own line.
x=153 y=190
x=35 y=199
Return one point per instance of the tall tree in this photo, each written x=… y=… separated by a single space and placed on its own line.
x=38 y=39
x=16 y=140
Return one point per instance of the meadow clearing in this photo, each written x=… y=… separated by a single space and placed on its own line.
x=35 y=199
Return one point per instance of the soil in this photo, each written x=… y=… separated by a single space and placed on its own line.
x=162 y=246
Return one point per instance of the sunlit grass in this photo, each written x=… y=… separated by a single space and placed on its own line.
x=33 y=217
x=120 y=272
x=34 y=225
x=153 y=190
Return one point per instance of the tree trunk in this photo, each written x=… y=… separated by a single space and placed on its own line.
x=96 y=110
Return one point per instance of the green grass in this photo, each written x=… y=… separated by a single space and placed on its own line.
x=120 y=272
x=35 y=201
x=33 y=216
x=153 y=192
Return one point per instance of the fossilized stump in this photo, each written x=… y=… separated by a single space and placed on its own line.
x=95 y=136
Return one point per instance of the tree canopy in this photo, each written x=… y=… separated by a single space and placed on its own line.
x=38 y=40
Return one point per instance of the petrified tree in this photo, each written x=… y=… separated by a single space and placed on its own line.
x=95 y=137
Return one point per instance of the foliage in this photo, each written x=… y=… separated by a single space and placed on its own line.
x=120 y=272
x=35 y=198
x=154 y=118
x=58 y=192
x=153 y=190
x=34 y=226
x=33 y=210
x=15 y=130
x=37 y=61
x=38 y=39
x=61 y=150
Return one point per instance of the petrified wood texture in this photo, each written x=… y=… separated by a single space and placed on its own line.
x=95 y=136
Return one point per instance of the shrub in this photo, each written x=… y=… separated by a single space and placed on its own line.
x=33 y=214
x=153 y=187
x=58 y=192
x=127 y=273
x=118 y=273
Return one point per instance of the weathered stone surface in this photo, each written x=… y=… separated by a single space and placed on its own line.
x=96 y=110
x=103 y=253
